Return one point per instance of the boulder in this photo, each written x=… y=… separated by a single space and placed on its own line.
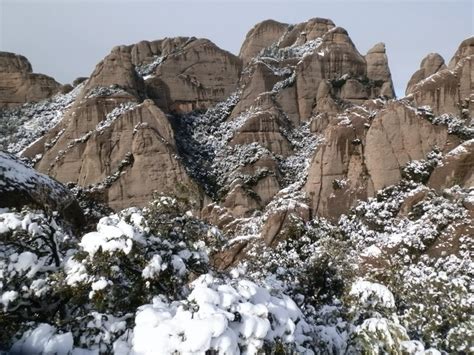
x=21 y=185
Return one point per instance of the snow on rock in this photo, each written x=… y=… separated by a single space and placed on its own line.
x=24 y=125
x=21 y=185
x=114 y=114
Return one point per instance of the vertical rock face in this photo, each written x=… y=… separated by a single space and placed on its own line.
x=456 y=168
x=18 y=83
x=355 y=162
x=397 y=135
x=186 y=74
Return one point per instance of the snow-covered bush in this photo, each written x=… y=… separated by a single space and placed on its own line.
x=419 y=171
x=134 y=286
x=32 y=249
x=221 y=315
x=134 y=255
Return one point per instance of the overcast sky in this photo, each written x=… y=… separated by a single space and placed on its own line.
x=65 y=39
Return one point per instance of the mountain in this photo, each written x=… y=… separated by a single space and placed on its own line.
x=283 y=198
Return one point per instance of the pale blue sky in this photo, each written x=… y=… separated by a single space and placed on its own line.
x=66 y=39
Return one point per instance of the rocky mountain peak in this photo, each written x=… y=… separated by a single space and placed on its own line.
x=261 y=36
x=465 y=49
x=430 y=65
x=11 y=63
x=18 y=83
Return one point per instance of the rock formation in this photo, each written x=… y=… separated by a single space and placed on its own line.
x=21 y=185
x=18 y=83
x=299 y=125
x=430 y=65
x=185 y=74
x=448 y=90
x=261 y=36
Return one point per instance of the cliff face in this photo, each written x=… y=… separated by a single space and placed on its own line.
x=299 y=124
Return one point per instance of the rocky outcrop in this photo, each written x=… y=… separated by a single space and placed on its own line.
x=18 y=83
x=337 y=174
x=22 y=186
x=186 y=74
x=456 y=168
x=397 y=136
x=465 y=49
x=314 y=67
x=378 y=70
x=114 y=151
x=448 y=90
x=261 y=36
x=430 y=65
x=300 y=125
x=118 y=70
x=304 y=32
x=362 y=155
x=110 y=136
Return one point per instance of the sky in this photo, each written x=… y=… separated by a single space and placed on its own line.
x=66 y=39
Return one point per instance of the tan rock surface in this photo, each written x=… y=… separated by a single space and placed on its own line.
x=18 y=83
x=196 y=76
x=465 y=49
x=306 y=31
x=261 y=36
x=89 y=154
x=430 y=65
x=456 y=168
x=116 y=69
x=379 y=71
x=337 y=174
x=450 y=90
x=397 y=136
